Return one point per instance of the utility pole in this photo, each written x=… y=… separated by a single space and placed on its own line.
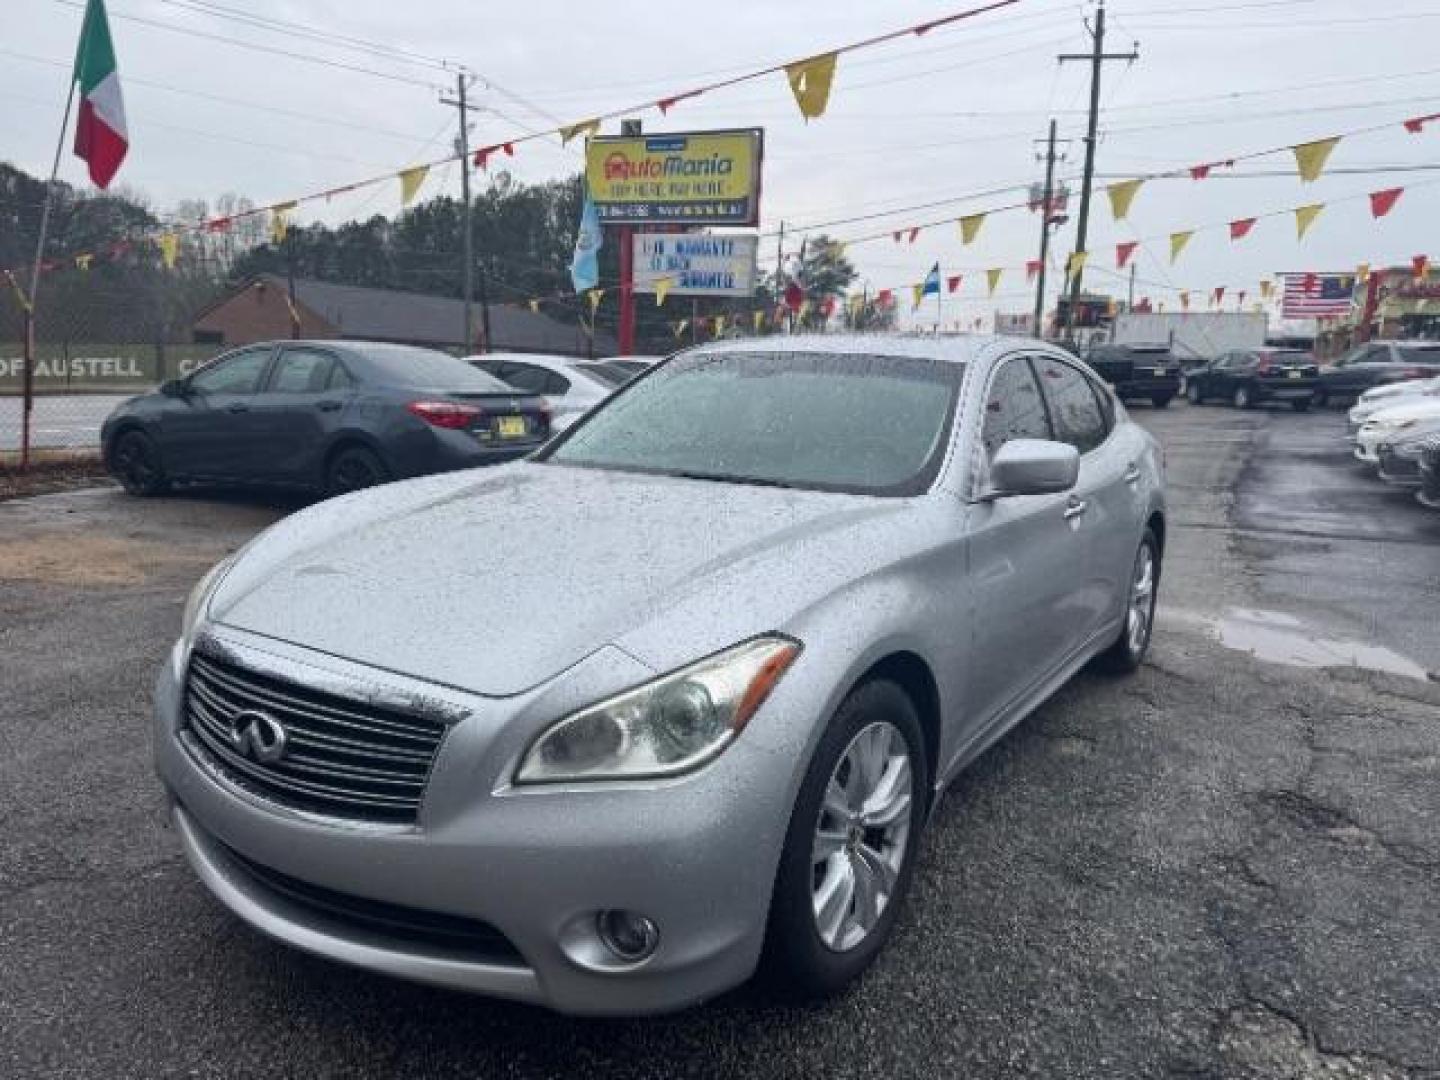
x=1047 y=198
x=780 y=277
x=463 y=80
x=1096 y=58
x=1130 y=298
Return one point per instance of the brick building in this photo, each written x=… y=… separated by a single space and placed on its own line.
x=259 y=311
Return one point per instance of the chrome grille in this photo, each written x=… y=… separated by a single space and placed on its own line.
x=343 y=758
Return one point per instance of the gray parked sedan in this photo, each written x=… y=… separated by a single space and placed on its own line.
x=609 y=728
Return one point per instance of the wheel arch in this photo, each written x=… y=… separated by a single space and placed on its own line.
x=350 y=439
x=912 y=674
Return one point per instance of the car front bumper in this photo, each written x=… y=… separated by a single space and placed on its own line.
x=697 y=855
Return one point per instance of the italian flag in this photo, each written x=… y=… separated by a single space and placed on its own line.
x=100 y=135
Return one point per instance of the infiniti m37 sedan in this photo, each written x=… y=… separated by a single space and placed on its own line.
x=670 y=701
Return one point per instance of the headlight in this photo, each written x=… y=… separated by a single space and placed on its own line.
x=666 y=727
x=199 y=600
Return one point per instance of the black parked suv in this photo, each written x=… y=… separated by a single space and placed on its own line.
x=1250 y=377
x=1138 y=371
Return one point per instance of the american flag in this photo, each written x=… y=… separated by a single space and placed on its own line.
x=1316 y=296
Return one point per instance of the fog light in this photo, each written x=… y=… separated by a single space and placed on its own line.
x=630 y=936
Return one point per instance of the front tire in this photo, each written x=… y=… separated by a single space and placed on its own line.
x=1322 y=399
x=135 y=461
x=1301 y=404
x=1160 y=401
x=1192 y=394
x=850 y=849
x=1128 y=652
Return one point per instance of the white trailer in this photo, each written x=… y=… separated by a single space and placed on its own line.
x=1199 y=336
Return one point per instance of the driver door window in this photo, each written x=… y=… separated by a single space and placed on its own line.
x=1013 y=408
x=1075 y=412
x=238 y=373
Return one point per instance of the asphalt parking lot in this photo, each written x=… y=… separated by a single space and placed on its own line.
x=1226 y=866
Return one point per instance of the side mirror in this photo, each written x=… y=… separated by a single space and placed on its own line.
x=1033 y=467
x=174 y=388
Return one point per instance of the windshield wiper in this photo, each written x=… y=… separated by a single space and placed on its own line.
x=753 y=481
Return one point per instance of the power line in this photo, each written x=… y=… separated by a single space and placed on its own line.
x=308 y=58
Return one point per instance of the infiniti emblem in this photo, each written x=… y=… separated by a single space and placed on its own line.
x=258 y=736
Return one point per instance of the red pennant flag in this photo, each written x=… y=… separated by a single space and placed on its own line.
x=1417 y=124
x=1032 y=268
x=1124 y=251
x=897 y=234
x=885 y=297
x=1219 y=294
x=914 y=233
x=483 y=155
x=827 y=307
x=221 y=224
x=1240 y=298
x=1199 y=172
x=1382 y=202
x=953 y=282
x=1420 y=264
x=794 y=296
x=666 y=104
x=509 y=149
x=1240 y=229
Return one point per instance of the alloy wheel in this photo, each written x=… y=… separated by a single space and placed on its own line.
x=1142 y=601
x=861 y=836
x=134 y=465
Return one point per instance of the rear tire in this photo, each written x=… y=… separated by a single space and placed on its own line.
x=821 y=936
x=353 y=469
x=1192 y=394
x=1126 y=655
x=1301 y=404
x=1160 y=401
x=1242 y=398
x=135 y=462
x=1321 y=399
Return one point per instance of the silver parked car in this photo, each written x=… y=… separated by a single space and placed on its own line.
x=606 y=729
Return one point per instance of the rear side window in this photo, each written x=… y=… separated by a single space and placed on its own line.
x=301 y=371
x=1073 y=407
x=1419 y=354
x=340 y=379
x=1013 y=408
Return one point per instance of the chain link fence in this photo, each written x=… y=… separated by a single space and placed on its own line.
x=91 y=352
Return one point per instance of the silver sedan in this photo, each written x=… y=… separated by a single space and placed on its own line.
x=608 y=729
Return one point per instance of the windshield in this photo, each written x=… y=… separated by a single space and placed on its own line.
x=427 y=369
x=865 y=424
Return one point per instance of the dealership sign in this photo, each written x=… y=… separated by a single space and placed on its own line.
x=690 y=178
x=695 y=264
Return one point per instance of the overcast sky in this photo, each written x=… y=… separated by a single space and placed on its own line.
x=953 y=113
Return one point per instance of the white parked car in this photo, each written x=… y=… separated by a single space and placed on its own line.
x=1387 y=423
x=1385 y=397
x=570 y=387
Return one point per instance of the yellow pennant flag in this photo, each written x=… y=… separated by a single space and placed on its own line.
x=662 y=289
x=970 y=227
x=857 y=305
x=574 y=131
x=169 y=249
x=1310 y=157
x=1076 y=263
x=802 y=310
x=1362 y=273
x=1266 y=288
x=992 y=277
x=83 y=261
x=719 y=325
x=1305 y=217
x=1121 y=196
x=759 y=320
x=1257 y=308
x=810 y=83
x=680 y=328
x=1185 y=300
x=1178 y=240
x=917 y=293
x=535 y=307
x=410 y=181
x=595 y=296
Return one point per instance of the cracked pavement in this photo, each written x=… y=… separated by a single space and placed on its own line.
x=1220 y=868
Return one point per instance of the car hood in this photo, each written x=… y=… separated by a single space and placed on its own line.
x=496 y=581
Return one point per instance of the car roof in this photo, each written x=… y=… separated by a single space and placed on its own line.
x=957 y=349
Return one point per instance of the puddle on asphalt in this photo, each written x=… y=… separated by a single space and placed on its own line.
x=1283 y=639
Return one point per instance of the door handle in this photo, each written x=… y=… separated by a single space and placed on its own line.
x=1075 y=509
x=328 y=406
x=237 y=406
x=1132 y=474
